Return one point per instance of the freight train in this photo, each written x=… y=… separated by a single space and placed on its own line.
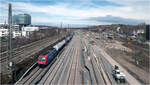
x=47 y=57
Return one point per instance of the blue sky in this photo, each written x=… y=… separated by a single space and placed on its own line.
x=80 y=12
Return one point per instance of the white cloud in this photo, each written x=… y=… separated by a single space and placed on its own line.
x=135 y=9
x=65 y=10
x=116 y=20
x=140 y=8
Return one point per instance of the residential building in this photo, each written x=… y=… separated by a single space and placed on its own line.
x=3 y=32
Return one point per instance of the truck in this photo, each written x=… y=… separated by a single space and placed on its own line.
x=118 y=75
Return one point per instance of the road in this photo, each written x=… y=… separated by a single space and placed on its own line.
x=78 y=63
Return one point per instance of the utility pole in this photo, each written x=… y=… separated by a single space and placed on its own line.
x=10 y=63
x=60 y=28
x=61 y=25
x=68 y=29
x=9 y=33
x=68 y=26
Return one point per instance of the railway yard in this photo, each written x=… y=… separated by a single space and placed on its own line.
x=74 y=42
x=79 y=62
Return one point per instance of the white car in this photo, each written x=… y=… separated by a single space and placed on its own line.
x=118 y=76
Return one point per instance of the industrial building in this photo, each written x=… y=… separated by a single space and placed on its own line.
x=30 y=28
x=26 y=31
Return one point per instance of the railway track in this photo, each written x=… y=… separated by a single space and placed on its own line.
x=97 y=70
x=68 y=75
x=54 y=73
x=106 y=76
x=105 y=67
x=73 y=70
x=88 y=72
x=34 y=76
x=92 y=73
x=28 y=79
x=28 y=48
x=16 y=52
x=63 y=70
x=24 y=46
x=20 y=50
x=38 y=73
x=67 y=69
x=54 y=67
x=102 y=70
